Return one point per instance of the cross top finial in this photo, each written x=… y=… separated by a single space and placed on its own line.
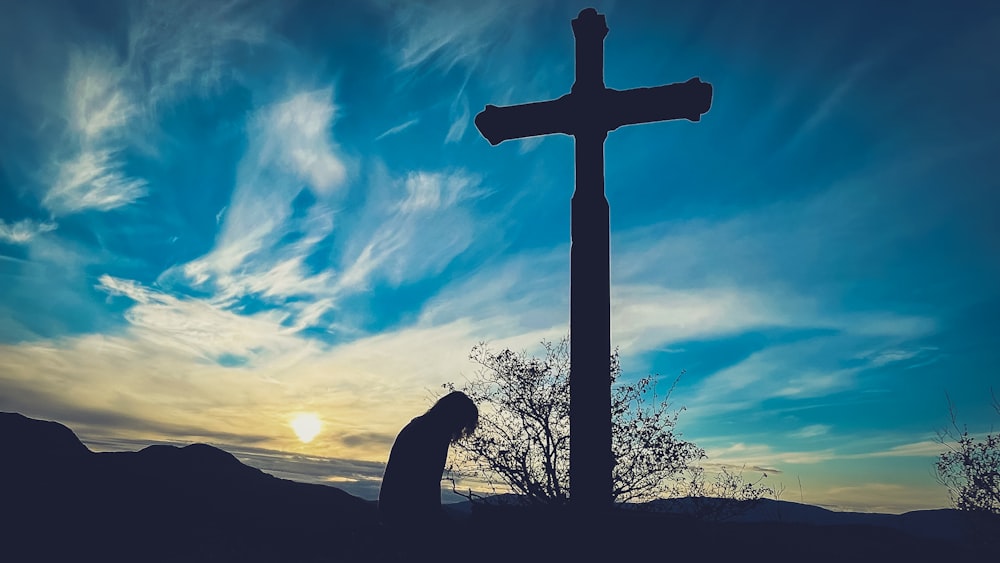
x=591 y=23
x=590 y=29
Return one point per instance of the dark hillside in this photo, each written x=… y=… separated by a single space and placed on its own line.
x=61 y=502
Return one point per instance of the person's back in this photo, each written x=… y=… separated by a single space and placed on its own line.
x=409 y=499
x=411 y=485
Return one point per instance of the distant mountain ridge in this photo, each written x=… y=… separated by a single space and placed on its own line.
x=944 y=523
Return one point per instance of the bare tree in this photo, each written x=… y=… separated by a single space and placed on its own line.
x=523 y=438
x=970 y=467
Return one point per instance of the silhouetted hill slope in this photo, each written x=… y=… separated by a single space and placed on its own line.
x=60 y=501
x=38 y=440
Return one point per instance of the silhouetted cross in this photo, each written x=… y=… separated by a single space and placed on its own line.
x=587 y=113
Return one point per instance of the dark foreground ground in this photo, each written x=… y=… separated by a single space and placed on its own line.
x=641 y=536
x=516 y=536
x=60 y=502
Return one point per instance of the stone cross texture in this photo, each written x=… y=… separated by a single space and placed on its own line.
x=588 y=113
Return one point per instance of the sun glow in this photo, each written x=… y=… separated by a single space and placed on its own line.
x=306 y=426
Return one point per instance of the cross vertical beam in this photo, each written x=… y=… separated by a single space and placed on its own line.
x=591 y=462
x=588 y=113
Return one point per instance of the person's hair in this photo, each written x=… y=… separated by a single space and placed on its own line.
x=456 y=412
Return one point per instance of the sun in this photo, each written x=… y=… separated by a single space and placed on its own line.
x=306 y=426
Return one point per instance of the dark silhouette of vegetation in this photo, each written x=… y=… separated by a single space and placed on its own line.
x=970 y=467
x=727 y=495
x=523 y=439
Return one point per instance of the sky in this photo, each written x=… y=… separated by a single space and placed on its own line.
x=219 y=216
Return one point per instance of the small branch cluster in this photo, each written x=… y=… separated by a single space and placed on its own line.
x=970 y=467
x=728 y=495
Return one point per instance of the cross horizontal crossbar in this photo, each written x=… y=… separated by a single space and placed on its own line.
x=597 y=111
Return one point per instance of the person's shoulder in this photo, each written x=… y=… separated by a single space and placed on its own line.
x=415 y=422
x=415 y=426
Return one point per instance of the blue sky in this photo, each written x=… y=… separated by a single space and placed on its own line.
x=215 y=216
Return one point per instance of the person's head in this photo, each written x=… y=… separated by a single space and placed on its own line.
x=456 y=412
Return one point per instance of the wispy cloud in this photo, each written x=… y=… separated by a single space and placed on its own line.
x=811 y=431
x=197 y=327
x=764 y=455
x=448 y=33
x=111 y=100
x=295 y=135
x=290 y=149
x=490 y=39
x=890 y=356
x=773 y=268
x=459 y=113
x=818 y=240
x=92 y=180
x=923 y=448
x=20 y=232
x=97 y=101
x=411 y=227
x=524 y=292
x=801 y=370
x=99 y=106
x=398 y=128
x=170 y=46
x=647 y=317
x=435 y=191
x=836 y=98
x=778 y=456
